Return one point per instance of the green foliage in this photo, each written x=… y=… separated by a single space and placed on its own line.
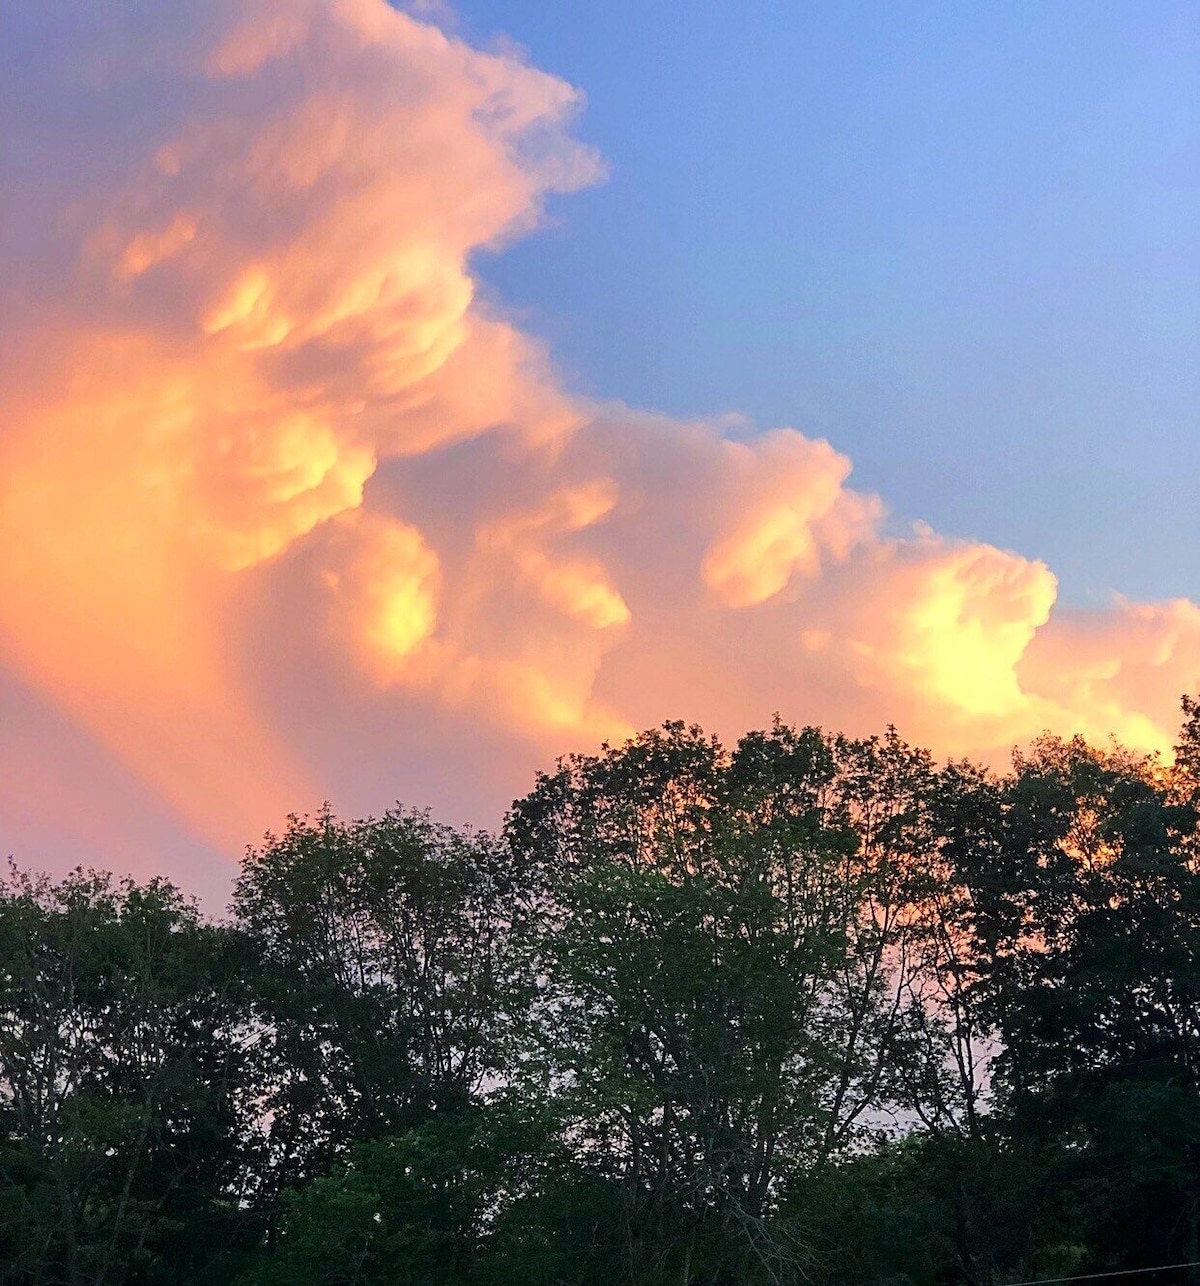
x=386 y=979
x=123 y=1079
x=1086 y=916
x=407 y=1209
x=724 y=986
x=811 y=1010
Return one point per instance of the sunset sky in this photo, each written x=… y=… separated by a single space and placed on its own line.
x=391 y=401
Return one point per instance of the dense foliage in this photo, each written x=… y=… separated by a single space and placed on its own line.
x=811 y=1010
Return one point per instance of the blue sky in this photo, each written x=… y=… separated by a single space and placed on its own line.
x=960 y=241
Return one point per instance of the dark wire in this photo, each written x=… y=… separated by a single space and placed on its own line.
x=1121 y=1272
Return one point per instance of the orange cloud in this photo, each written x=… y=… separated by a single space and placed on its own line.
x=274 y=484
x=787 y=505
x=578 y=587
x=386 y=587
x=957 y=620
x=259 y=295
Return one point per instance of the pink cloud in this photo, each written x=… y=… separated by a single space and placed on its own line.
x=286 y=514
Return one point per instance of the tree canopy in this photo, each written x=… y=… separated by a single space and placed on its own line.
x=808 y=1009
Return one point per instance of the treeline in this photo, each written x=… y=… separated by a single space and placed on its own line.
x=811 y=1010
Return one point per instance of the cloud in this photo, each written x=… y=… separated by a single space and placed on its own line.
x=1118 y=669
x=215 y=336
x=787 y=505
x=287 y=513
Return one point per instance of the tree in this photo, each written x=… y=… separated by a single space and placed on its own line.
x=1086 y=907
x=810 y=1009
x=387 y=979
x=124 y=1082
x=726 y=936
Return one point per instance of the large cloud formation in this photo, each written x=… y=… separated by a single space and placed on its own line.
x=286 y=513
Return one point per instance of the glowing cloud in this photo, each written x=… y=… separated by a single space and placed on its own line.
x=274 y=484
x=788 y=503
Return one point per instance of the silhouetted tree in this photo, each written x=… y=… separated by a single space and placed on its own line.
x=386 y=979
x=811 y=1010
x=124 y=1081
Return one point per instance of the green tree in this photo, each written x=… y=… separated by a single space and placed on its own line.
x=387 y=982
x=724 y=963
x=408 y=1209
x=125 y=1083
x=1086 y=937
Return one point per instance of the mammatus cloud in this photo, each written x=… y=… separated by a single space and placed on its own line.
x=286 y=513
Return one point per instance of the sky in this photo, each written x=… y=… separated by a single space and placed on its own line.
x=959 y=241
x=392 y=401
